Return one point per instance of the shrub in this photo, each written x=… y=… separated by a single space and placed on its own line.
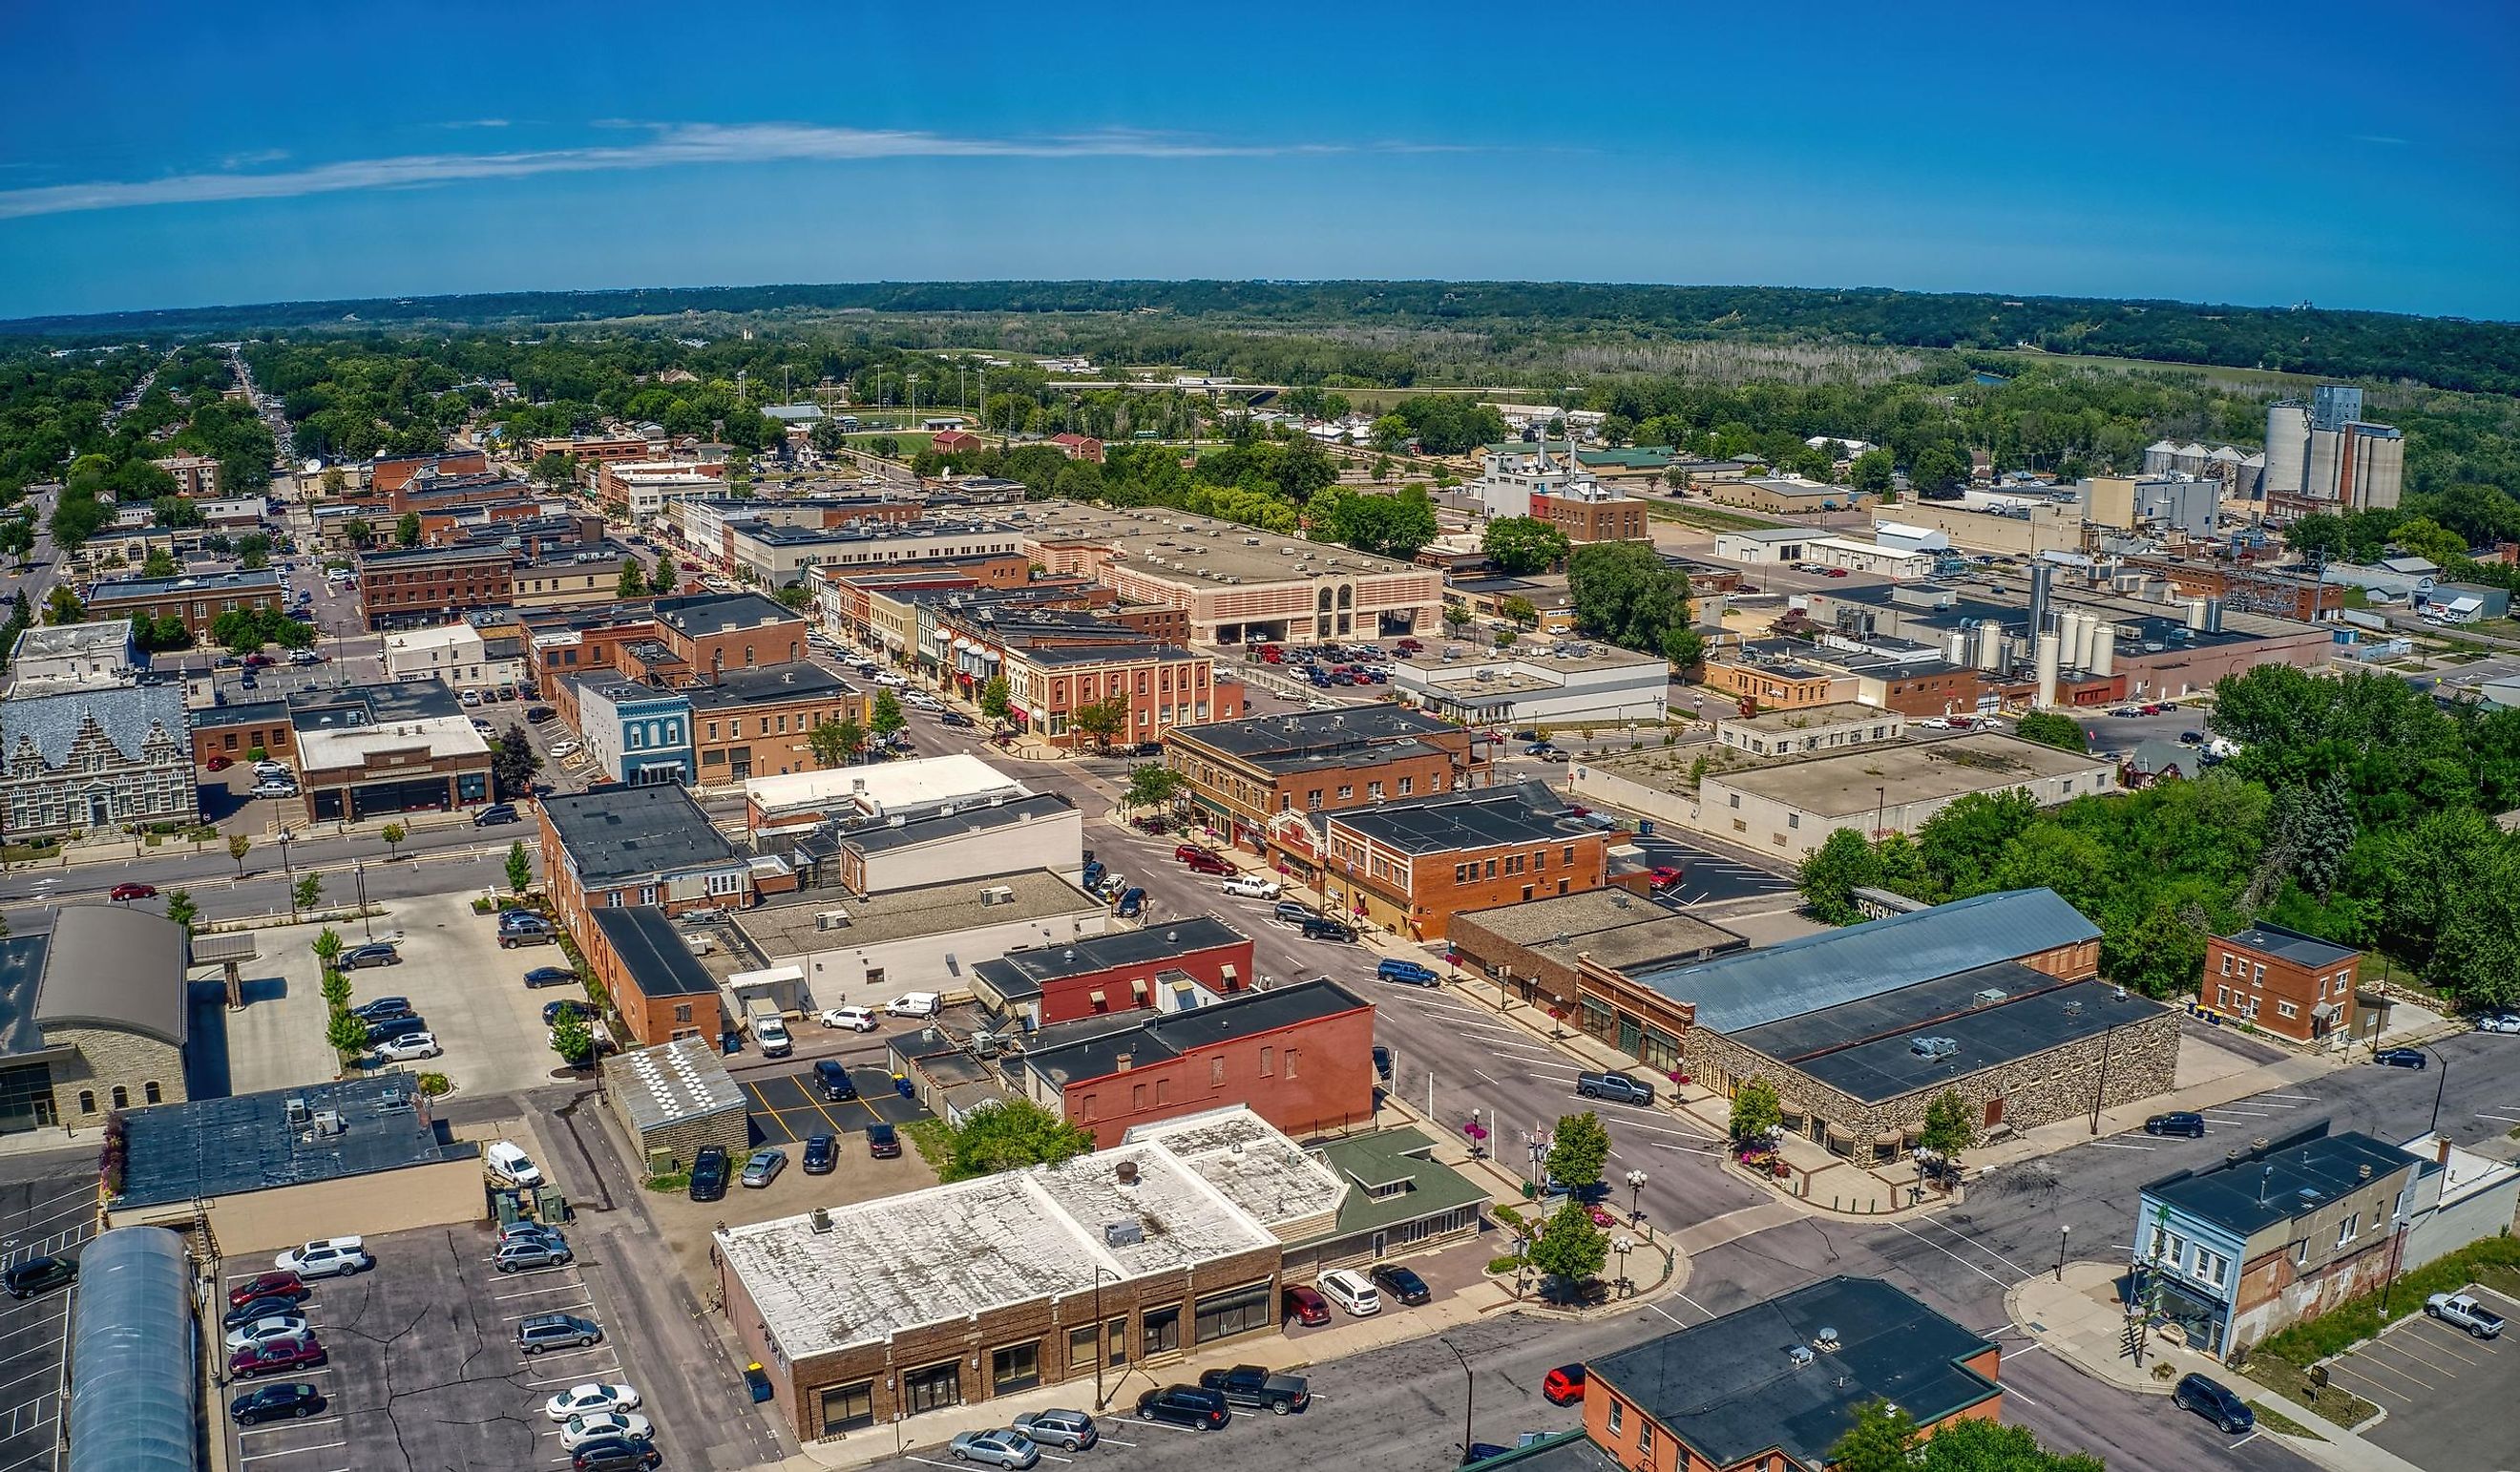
x=1505 y=1264
x=2359 y=1319
x=670 y=1183
x=435 y=1084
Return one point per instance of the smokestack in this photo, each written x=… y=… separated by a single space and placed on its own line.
x=2040 y=572
x=2048 y=646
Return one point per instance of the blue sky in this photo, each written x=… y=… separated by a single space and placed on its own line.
x=183 y=155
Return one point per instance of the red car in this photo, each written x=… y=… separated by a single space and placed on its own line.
x=267 y=1285
x=1307 y=1307
x=258 y=661
x=1203 y=862
x=132 y=892
x=1664 y=876
x=1564 y=1385
x=290 y=1352
x=220 y=763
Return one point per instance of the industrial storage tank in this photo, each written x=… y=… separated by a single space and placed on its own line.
x=2104 y=650
x=1989 y=645
x=2047 y=644
x=2287 y=467
x=1956 y=648
x=2197 y=614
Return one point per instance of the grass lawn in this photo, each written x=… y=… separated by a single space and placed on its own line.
x=912 y=441
x=1709 y=519
x=2338 y=1404
x=2272 y=1419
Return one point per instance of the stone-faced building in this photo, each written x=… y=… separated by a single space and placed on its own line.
x=92 y=1017
x=95 y=759
x=1992 y=998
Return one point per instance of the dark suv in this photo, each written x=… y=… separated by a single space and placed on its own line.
x=1259 y=1388
x=2179 y=1122
x=613 y=1454
x=832 y=1079
x=2216 y=1401
x=1322 y=928
x=1189 y=1406
x=709 y=1174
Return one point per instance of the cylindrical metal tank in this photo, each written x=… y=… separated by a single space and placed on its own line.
x=2213 y=615
x=2048 y=644
x=1956 y=648
x=2287 y=449
x=2197 y=614
x=1989 y=645
x=2077 y=650
x=2104 y=650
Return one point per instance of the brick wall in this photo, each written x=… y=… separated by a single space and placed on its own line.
x=1304 y=1080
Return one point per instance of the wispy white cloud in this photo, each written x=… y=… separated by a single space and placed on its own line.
x=476 y=122
x=669 y=145
x=254 y=158
x=2395 y=142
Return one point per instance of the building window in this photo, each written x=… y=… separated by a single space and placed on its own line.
x=1645 y=1439
x=2345 y=1230
x=1617 y=1420
x=932 y=1387
x=1406 y=785
x=1162 y=1334
x=683 y=1013
x=88 y=1101
x=1137 y=1098
x=1215 y=1072
x=2287 y=1009
x=1292 y=1056
x=2227 y=962
x=1087 y=1112
x=1017 y=1367
x=848 y=1408
x=121 y=1098
x=1081 y=1349
x=148 y=1091
x=1268 y=1061
x=1235 y=1311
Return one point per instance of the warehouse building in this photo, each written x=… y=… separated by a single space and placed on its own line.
x=676 y=1100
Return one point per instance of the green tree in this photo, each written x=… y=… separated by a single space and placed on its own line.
x=1101 y=721
x=1007 y=1135
x=393 y=834
x=2049 y=727
x=335 y=987
x=1519 y=608
x=520 y=868
x=513 y=763
x=1624 y=592
x=181 y=909
x=1152 y=785
x=852 y=738
x=1756 y=1112
x=328 y=947
x=62 y=607
x=1963 y=844
x=554 y=470
x=332 y=482
x=573 y=1040
x=886 y=720
x=358 y=531
x=1455 y=619
x=1870 y=472
x=16 y=539
x=254 y=552
x=306 y=893
x=1522 y=545
x=346 y=1033
x=633 y=582
x=159 y=563
x=1571 y=1248
x=1938 y=470
x=796 y=596
x=1579 y=1149
x=827 y=742
x=1883 y=1438
x=996 y=698
x=1946 y=1131
x=664 y=578
x=1970 y=1446
x=407 y=530
x=1833 y=872
x=238 y=846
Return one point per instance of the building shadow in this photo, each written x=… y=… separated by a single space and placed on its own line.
x=207 y=1073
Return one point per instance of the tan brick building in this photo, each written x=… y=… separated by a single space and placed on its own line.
x=105 y=1016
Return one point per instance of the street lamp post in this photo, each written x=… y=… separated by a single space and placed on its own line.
x=290 y=869
x=1469 y=1393
x=1636 y=1191
x=1539 y=1152
x=1101 y=1350
x=2442 y=1084
x=359 y=876
x=1623 y=1244
x=2064 y=1230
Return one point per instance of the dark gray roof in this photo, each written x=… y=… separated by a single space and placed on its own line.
x=189 y=585
x=112 y=966
x=251 y=713
x=2299 y=1173
x=21 y=976
x=1729 y=1388
x=658 y=962
x=1063 y=1059
x=1881 y=1047
x=1735 y=992
x=1121 y=647
x=1526 y=812
x=699 y=615
x=618 y=832
x=227 y=1146
x=331 y=707
x=801 y=679
x=1266 y=739
x=1025 y=972
x=2293 y=946
x=126 y=714
x=133 y=1349
x=936 y=826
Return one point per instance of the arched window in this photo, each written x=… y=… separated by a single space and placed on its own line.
x=88 y=1101
x=1347 y=596
x=1324 y=601
x=121 y=1098
x=149 y=1091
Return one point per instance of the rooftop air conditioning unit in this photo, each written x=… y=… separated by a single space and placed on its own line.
x=821 y=1220
x=1826 y=1340
x=1989 y=997
x=1800 y=1354
x=1124 y=1234
x=329 y=1121
x=295 y=1110
x=998 y=894
x=831 y=919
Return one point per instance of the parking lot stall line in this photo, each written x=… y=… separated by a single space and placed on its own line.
x=307 y=1424
x=290 y=1452
x=537 y=1313
x=532 y=1292
x=552 y=1357
x=2389 y=1369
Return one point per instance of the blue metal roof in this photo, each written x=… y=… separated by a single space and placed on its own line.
x=132 y=1354
x=1813 y=971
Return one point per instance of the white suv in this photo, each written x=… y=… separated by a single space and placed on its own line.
x=328 y=1258
x=1350 y=1290
x=855 y=1019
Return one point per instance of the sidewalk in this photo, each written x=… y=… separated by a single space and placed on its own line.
x=2081 y=1320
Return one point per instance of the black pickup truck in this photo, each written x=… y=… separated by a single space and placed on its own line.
x=1260 y=1389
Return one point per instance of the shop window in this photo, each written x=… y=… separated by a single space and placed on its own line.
x=933 y=1387
x=1162 y=1331
x=1081 y=1349
x=1235 y=1311
x=1017 y=1366
x=848 y=1408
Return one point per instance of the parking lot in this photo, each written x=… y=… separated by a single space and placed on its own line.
x=470 y=993
x=2448 y=1394
x=788 y=1109
x=52 y=1217
x=423 y=1369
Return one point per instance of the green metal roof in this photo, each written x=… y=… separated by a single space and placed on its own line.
x=1388 y=1156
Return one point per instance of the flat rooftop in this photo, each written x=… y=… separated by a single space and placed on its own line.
x=953 y=1252
x=1184 y=547
x=1896 y=1043
x=189 y=585
x=2299 y=1173
x=797 y=927
x=766 y=685
x=676 y=1081
x=228 y=1146
x=1308 y=735
x=1025 y=973
x=2293 y=946
x=620 y=832
x=1614 y=927
x=660 y=963
x=1807 y=717
x=1061 y=1059
x=1543 y=659
x=1845 y=784
x=938 y=825
x=921 y=782
x=350 y=749
x=1488 y=817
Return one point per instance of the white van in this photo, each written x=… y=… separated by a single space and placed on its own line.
x=509 y=1162
x=914 y=1004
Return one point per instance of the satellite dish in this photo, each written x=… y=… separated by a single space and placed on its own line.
x=314 y=466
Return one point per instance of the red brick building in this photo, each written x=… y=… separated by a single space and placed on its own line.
x=389 y=474
x=2296 y=985
x=954 y=441
x=196 y=599
x=1595 y=517
x=1122 y=971
x=1079 y=447
x=612 y=846
x=1299 y=1056
x=1247 y=772
x=1410 y=867
x=597 y=448
x=657 y=986
x=432 y=585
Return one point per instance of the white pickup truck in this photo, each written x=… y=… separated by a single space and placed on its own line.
x=2464 y=1311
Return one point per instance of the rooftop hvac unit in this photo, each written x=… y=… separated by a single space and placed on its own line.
x=1124 y=1234
x=998 y=894
x=1989 y=997
x=831 y=919
x=821 y=1220
x=329 y=1121
x=1933 y=1047
x=1826 y=1340
x=1800 y=1354
x=295 y=1111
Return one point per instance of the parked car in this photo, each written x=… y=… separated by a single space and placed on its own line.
x=38 y=1275
x=328 y=1256
x=822 y=1154
x=1564 y=1385
x=1349 y=1289
x=1305 y=1305
x=1201 y=862
x=568 y=1006
x=604 y=1425
x=593 y=1395
x=1402 y=1284
x=270 y=1306
x=2402 y=1057
x=495 y=814
x=884 y=1141
x=855 y=1019
x=615 y=1454
x=2461 y=1310
x=833 y=1082
x=1619 y=1088
x=1407 y=973
x=764 y=1166
x=395 y=1027
x=358 y=957
x=1067 y=1430
x=2499 y=1022
x=409 y=1049
x=1004 y=1447
x=1252 y=887
x=1259 y=1388
x=1186 y=1406
x=1132 y=902
x=1293 y=912
x=272 y=789
x=914 y=1004
x=709 y=1174
x=2177 y=1122
x=268 y=1327
x=269 y=1286
x=272 y=1356
x=2216 y=1401
x=509 y=1163
x=539 y=713
x=557 y=1331
x=130 y=891
x=1324 y=928
x=220 y=763
x=383 y=1009
x=527 y=1254
x=1382 y=1062
x=293 y=1401
x=563 y=750
x=1664 y=876
x=548 y=976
